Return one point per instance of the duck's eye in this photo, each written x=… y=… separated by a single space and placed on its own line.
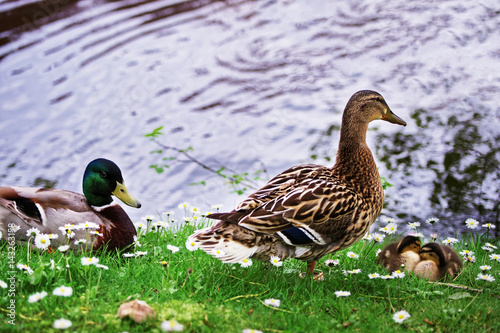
x=104 y=174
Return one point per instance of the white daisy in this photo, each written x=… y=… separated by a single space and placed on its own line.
x=341 y=293
x=42 y=241
x=390 y=228
x=87 y=225
x=373 y=275
x=140 y=253
x=398 y=274
x=276 y=261
x=86 y=261
x=247 y=262
x=367 y=237
x=3 y=284
x=470 y=258
x=63 y=291
x=432 y=220
x=218 y=206
x=378 y=252
x=386 y=277
x=172 y=248
x=62 y=323
x=25 y=268
x=413 y=225
x=191 y=245
x=466 y=253
x=183 y=205
x=489 y=226
x=36 y=297
x=171 y=326
x=400 y=316
x=13 y=228
x=450 y=241
x=485 y=268
x=217 y=253
x=485 y=277
x=273 y=302
x=128 y=255
x=495 y=256
x=32 y=232
x=148 y=218
x=471 y=223
x=490 y=245
x=378 y=237
x=80 y=241
x=102 y=266
x=250 y=330
x=352 y=255
x=331 y=262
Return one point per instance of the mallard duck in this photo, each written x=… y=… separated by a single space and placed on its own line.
x=437 y=262
x=405 y=252
x=59 y=213
x=308 y=210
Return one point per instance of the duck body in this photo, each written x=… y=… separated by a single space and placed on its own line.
x=308 y=210
x=404 y=253
x=49 y=210
x=437 y=262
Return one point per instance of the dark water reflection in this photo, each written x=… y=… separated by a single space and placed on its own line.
x=252 y=82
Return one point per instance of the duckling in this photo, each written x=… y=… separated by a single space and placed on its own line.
x=309 y=210
x=59 y=212
x=403 y=253
x=437 y=262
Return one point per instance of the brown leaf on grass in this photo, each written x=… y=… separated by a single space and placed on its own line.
x=429 y=322
x=139 y=311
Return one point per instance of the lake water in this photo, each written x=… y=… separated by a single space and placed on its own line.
x=253 y=85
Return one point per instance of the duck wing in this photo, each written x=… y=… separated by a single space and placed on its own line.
x=305 y=205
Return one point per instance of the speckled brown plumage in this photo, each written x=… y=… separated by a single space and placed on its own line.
x=309 y=210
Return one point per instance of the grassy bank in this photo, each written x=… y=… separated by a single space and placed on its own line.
x=205 y=295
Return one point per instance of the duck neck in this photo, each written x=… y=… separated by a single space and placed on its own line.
x=355 y=162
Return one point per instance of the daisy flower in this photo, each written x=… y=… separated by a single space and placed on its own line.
x=63 y=291
x=331 y=262
x=250 y=330
x=36 y=297
x=390 y=228
x=485 y=277
x=62 y=323
x=341 y=293
x=80 y=241
x=401 y=316
x=148 y=218
x=434 y=236
x=373 y=275
x=450 y=241
x=413 y=225
x=86 y=261
x=387 y=277
x=276 y=261
x=140 y=226
x=42 y=241
x=354 y=271
x=247 y=262
x=217 y=253
x=485 y=268
x=183 y=205
x=140 y=253
x=378 y=237
x=32 y=232
x=490 y=245
x=128 y=255
x=367 y=237
x=489 y=226
x=495 y=256
x=470 y=258
x=272 y=302
x=102 y=266
x=172 y=248
x=352 y=255
x=377 y=252
x=398 y=274
x=136 y=241
x=25 y=268
x=95 y=233
x=3 y=284
x=218 y=206
x=187 y=219
x=172 y=325
x=466 y=253
x=191 y=245
x=87 y=225
x=432 y=220
x=471 y=223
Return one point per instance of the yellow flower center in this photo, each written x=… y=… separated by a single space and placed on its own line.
x=398 y=271
x=401 y=316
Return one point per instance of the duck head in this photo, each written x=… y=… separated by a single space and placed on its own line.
x=433 y=252
x=103 y=178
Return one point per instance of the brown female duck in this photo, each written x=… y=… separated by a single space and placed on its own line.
x=308 y=210
x=67 y=216
x=397 y=255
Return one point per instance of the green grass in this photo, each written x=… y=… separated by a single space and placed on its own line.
x=207 y=296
